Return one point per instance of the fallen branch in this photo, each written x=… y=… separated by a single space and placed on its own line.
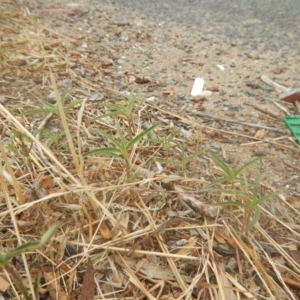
x=189 y=122
x=239 y=122
x=266 y=111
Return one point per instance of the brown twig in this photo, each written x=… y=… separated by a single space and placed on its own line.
x=189 y=122
x=266 y=111
x=172 y=222
x=239 y=122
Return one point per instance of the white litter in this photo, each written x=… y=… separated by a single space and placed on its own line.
x=222 y=68
x=197 y=87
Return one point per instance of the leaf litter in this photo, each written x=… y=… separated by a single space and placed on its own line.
x=156 y=233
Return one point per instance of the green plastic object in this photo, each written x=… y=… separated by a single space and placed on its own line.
x=293 y=123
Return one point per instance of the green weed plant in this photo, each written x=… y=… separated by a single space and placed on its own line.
x=245 y=192
x=121 y=147
x=123 y=111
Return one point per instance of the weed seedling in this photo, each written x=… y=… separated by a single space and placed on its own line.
x=165 y=142
x=123 y=111
x=231 y=176
x=246 y=194
x=184 y=159
x=52 y=108
x=121 y=147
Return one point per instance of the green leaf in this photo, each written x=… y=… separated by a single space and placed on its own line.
x=107 y=151
x=248 y=164
x=65 y=92
x=254 y=220
x=213 y=183
x=111 y=139
x=30 y=246
x=256 y=185
x=2 y=260
x=109 y=114
x=140 y=136
x=49 y=233
x=36 y=286
x=221 y=164
x=121 y=136
x=72 y=104
x=228 y=203
x=262 y=199
x=38 y=111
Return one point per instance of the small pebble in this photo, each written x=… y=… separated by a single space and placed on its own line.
x=70 y=251
x=251 y=93
x=216 y=145
x=233 y=94
x=267 y=88
x=253 y=55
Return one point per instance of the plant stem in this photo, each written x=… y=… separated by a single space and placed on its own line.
x=18 y=281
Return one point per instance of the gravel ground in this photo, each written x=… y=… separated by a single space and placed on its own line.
x=159 y=47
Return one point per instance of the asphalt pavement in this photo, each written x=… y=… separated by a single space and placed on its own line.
x=274 y=23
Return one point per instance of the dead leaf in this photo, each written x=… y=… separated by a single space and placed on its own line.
x=106 y=63
x=291 y=282
x=293 y=247
x=105 y=231
x=295 y=254
x=4 y=285
x=47 y=182
x=227 y=289
x=142 y=80
x=53 y=287
x=260 y=134
x=213 y=89
x=186 y=249
x=293 y=201
x=154 y=271
x=219 y=238
x=170 y=91
x=278 y=70
x=122 y=103
x=88 y=285
x=63 y=266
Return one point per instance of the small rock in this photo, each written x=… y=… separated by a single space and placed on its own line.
x=216 y=145
x=233 y=94
x=151 y=99
x=106 y=63
x=131 y=79
x=231 y=264
x=267 y=88
x=251 y=93
x=186 y=133
x=222 y=92
x=170 y=81
x=253 y=55
x=252 y=84
x=120 y=61
x=96 y=96
x=70 y=251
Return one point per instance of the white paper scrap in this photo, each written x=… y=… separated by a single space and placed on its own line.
x=197 y=87
x=221 y=67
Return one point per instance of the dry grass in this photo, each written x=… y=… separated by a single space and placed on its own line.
x=152 y=237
